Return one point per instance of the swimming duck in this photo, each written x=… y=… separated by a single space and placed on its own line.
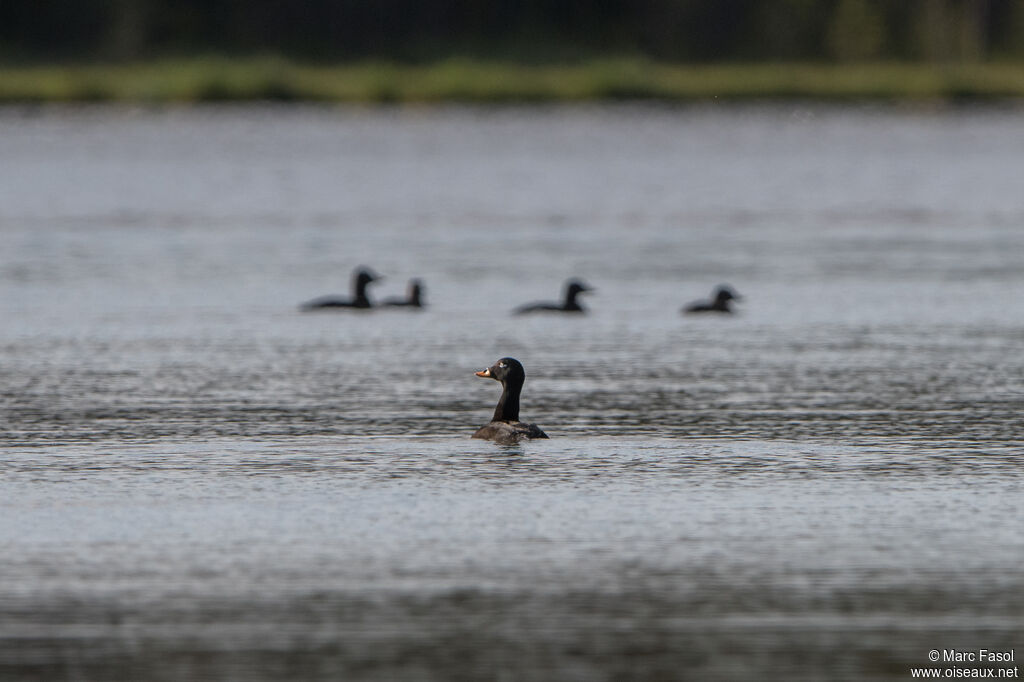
x=720 y=304
x=573 y=288
x=414 y=298
x=361 y=278
x=505 y=427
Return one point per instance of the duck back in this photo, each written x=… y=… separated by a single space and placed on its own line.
x=509 y=433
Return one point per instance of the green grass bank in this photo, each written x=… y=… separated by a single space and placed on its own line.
x=224 y=79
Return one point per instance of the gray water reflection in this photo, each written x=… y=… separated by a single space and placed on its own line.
x=605 y=557
x=930 y=383
x=199 y=481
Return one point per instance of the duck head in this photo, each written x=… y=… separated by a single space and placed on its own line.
x=506 y=370
x=364 y=276
x=576 y=286
x=573 y=288
x=724 y=294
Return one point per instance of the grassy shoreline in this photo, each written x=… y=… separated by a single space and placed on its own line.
x=224 y=79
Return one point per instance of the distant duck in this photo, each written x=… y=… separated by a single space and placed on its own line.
x=361 y=278
x=720 y=304
x=573 y=288
x=414 y=298
x=505 y=427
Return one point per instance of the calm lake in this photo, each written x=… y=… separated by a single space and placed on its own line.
x=198 y=481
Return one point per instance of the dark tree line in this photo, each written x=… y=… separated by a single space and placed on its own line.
x=673 y=30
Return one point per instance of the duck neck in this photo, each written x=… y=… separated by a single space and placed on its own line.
x=508 y=406
x=361 y=300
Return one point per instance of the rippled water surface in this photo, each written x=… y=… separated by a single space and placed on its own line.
x=198 y=481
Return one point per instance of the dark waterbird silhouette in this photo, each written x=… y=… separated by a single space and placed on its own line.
x=413 y=299
x=720 y=303
x=361 y=278
x=505 y=427
x=573 y=288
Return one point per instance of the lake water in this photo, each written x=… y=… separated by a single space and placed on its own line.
x=198 y=481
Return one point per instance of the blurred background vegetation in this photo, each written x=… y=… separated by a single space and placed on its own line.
x=219 y=49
